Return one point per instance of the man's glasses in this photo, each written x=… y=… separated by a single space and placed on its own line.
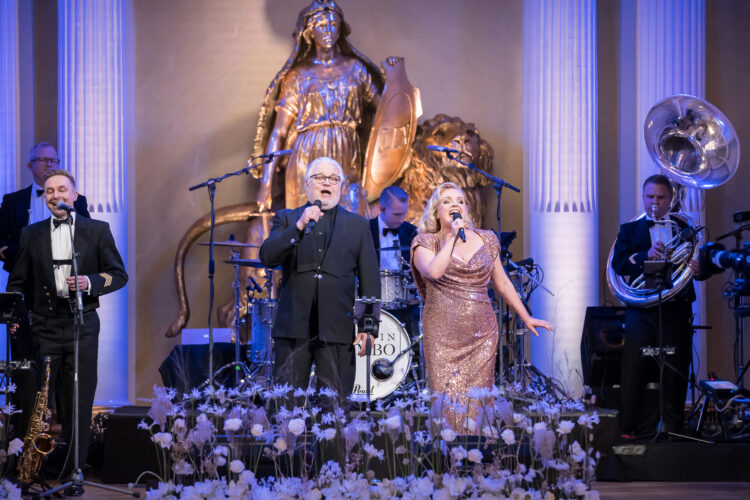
x=48 y=161
x=322 y=179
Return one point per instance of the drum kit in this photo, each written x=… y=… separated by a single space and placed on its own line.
x=396 y=355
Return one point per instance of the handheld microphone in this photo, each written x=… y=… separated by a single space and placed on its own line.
x=62 y=206
x=274 y=154
x=311 y=224
x=442 y=149
x=461 y=233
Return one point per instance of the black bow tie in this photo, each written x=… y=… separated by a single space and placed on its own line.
x=39 y=192
x=650 y=223
x=392 y=230
x=57 y=222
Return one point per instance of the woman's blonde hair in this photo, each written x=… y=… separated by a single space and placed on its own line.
x=430 y=222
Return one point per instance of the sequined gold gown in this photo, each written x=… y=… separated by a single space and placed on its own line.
x=328 y=112
x=458 y=323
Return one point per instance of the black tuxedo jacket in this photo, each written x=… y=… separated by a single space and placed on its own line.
x=98 y=259
x=14 y=216
x=350 y=257
x=631 y=251
x=406 y=233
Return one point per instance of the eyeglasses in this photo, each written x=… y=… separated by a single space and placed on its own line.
x=322 y=179
x=49 y=161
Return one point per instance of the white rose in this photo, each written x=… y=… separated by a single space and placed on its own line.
x=540 y=426
x=475 y=456
x=448 y=435
x=256 y=430
x=328 y=434
x=280 y=445
x=458 y=453
x=163 y=439
x=16 y=446
x=579 y=488
x=565 y=426
x=236 y=466
x=393 y=422
x=508 y=437
x=296 y=426
x=221 y=461
x=232 y=424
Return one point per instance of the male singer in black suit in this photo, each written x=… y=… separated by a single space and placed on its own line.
x=322 y=251
x=19 y=209
x=638 y=241
x=42 y=272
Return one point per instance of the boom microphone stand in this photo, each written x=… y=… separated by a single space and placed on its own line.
x=74 y=487
x=210 y=186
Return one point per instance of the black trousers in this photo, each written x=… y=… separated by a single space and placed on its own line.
x=639 y=412
x=55 y=337
x=334 y=364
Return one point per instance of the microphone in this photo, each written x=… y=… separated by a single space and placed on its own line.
x=62 y=206
x=461 y=233
x=274 y=154
x=442 y=149
x=311 y=224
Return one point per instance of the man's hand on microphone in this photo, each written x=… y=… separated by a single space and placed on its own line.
x=311 y=213
x=83 y=283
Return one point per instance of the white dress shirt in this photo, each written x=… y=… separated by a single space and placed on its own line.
x=62 y=250
x=388 y=260
x=661 y=230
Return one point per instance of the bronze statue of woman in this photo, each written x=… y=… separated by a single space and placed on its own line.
x=321 y=103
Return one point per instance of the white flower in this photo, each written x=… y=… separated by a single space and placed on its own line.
x=518 y=494
x=475 y=456
x=236 y=466
x=577 y=452
x=448 y=435
x=221 y=450
x=508 y=437
x=232 y=424
x=15 y=446
x=142 y=424
x=328 y=434
x=256 y=430
x=458 y=453
x=163 y=439
x=10 y=387
x=565 y=427
x=373 y=452
x=540 y=426
x=393 y=422
x=455 y=484
x=182 y=468
x=296 y=426
x=179 y=426
x=470 y=425
x=591 y=495
x=579 y=488
x=280 y=445
x=423 y=487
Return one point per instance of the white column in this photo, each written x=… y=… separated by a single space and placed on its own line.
x=560 y=170
x=91 y=129
x=9 y=112
x=670 y=59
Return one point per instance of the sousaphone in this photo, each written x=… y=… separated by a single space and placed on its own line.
x=695 y=145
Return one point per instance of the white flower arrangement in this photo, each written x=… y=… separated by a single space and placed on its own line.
x=406 y=450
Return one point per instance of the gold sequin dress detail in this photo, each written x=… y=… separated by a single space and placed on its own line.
x=458 y=323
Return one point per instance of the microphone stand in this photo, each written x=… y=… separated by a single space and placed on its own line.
x=210 y=186
x=74 y=487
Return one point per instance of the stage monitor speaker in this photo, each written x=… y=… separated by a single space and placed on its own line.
x=601 y=352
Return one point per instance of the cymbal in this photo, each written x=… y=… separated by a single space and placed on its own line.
x=229 y=243
x=394 y=249
x=249 y=263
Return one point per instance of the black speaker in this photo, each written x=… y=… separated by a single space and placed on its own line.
x=601 y=353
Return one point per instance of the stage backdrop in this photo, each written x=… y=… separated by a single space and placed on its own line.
x=199 y=70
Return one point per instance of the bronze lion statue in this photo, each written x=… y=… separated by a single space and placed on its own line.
x=428 y=169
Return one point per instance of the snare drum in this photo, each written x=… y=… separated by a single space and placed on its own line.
x=392 y=289
x=264 y=315
x=392 y=340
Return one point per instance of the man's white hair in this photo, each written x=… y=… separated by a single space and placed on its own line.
x=37 y=147
x=320 y=161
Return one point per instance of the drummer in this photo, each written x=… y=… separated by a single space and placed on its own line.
x=392 y=237
x=390 y=229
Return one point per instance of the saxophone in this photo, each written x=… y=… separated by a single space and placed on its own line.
x=37 y=442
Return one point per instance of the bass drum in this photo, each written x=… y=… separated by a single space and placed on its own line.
x=392 y=340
